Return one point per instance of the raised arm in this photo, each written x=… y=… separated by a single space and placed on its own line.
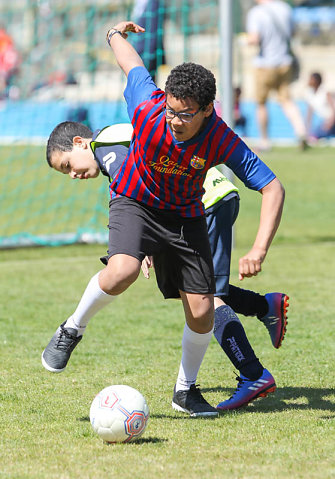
x=125 y=54
x=273 y=195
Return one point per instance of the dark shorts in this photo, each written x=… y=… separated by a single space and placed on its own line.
x=220 y=219
x=180 y=246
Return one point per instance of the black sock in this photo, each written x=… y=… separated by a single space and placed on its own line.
x=246 y=302
x=231 y=336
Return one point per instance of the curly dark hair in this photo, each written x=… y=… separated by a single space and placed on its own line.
x=190 y=80
x=61 y=138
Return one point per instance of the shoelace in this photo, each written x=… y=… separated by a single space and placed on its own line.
x=240 y=382
x=63 y=344
x=196 y=389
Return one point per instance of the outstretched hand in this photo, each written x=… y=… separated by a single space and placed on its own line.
x=126 y=26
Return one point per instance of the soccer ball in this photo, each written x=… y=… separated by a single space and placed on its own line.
x=119 y=413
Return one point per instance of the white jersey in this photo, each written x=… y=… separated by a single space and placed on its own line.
x=274 y=25
x=319 y=103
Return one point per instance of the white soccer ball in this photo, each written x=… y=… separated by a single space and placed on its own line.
x=119 y=413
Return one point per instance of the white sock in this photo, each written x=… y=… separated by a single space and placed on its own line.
x=194 y=346
x=91 y=302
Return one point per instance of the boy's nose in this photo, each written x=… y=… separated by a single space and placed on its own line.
x=73 y=175
x=176 y=121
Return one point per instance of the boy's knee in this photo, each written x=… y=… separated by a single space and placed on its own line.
x=200 y=314
x=204 y=313
x=118 y=276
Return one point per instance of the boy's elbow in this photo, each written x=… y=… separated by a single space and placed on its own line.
x=278 y=189
x=275 y=189
x=282 y=190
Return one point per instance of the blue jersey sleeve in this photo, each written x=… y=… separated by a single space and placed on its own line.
x=139 y=87
x=249 y=168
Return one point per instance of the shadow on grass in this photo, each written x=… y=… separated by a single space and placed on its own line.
x=141 y=440
x=83 y=419
x=283 y=399
x=180 y=416
x=177 y=416
x=288 y=398
x=321 y=239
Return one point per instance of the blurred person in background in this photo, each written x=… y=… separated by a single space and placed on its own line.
x=240 y=120
x=9 y=62
x=270 y=26
x=321 y=102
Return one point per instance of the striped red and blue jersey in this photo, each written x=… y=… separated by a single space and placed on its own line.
x=166 y=174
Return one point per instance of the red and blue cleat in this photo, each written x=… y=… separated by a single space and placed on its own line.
x=276 y=318
x=248 y=390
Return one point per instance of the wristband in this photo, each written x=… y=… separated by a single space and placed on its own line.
x=112 y=32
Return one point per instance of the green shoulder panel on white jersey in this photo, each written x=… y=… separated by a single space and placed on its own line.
x=217 y=186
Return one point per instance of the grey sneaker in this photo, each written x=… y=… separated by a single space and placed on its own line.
x=58 y=352
x=192 y=402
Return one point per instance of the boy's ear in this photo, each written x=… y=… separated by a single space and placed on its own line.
x=79 y=141
x=208 y=110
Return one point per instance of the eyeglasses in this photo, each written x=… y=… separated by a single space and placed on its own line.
x=184 y=117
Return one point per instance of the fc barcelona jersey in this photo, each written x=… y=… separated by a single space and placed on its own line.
x=166 y=174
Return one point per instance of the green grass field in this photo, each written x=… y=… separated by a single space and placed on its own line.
x=45 y=430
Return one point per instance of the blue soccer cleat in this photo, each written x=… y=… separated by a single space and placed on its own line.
x=276 y=318
x=248 y=391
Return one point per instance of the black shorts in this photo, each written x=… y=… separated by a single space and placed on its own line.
x=180 y=246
